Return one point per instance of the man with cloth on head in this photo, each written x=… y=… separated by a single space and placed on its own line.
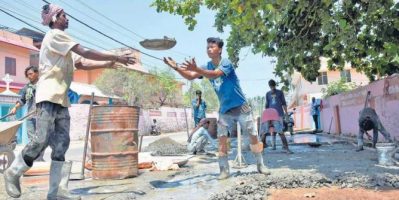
x=59 y=56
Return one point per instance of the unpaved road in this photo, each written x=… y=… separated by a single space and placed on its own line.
x=330 y=165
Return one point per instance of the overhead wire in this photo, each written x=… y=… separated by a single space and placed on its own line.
x=109 y=19
x=105 y=35
x=92 y=18
x=123 y=27
x=8 y=12
x=33 y=19
x=21 y=20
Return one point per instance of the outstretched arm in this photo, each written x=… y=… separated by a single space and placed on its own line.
x=190 y=75
x=98 y=56
x=91 y=65
x=211 y=74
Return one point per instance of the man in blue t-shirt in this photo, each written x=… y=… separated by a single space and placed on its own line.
x=233 y=105
x=199 y=107
x=315 y=112
x=275 y=99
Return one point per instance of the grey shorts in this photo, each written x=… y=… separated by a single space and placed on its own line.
x=242 y=115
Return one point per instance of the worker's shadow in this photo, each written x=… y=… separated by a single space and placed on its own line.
x=195 y=180
x=199 y=180
x=205 y=159
x=107 y=189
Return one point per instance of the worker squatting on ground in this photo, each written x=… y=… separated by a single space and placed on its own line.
x=199 y=138
x=368 y=119
x=58 y=57
x=27 y=94
x=233 y=105
x=275 y=99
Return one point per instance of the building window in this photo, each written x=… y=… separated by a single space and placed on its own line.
x=322 y=78
x=346 y=75
x=11 y=66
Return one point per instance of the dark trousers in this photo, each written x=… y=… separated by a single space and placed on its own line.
x=52 y=129
x=316 y=121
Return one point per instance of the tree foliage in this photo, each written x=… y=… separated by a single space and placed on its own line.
x=364 y=33
x=165 y=86
x=338 y=87
x=257 y=104
x=208 y=94
x=144 y=90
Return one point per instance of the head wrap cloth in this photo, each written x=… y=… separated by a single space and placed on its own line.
x=49 y=13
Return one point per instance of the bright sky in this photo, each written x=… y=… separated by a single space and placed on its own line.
x=138 y=17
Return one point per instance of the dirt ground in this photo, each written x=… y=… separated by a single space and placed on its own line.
x=333 y=193
x=323 y=170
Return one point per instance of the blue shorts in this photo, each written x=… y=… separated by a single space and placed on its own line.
x=277 y=124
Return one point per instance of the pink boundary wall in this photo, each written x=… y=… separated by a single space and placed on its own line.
x=169 y=120
x=344 y=108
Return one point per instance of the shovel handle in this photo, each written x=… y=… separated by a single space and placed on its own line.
x=27 y=115
x=5 y=116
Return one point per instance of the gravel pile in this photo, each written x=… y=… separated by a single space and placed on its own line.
x=357 y=180
x=166 y=147
x=254 y=186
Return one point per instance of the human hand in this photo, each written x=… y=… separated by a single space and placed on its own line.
x=112 y=65
x=125 y=59
x=170 y=62
x=13 y=111
x=190 y=65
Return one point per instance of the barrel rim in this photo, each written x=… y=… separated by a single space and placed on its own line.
x=103 y=106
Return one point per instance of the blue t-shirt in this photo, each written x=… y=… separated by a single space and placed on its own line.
x=276 y=100
x=227 y=86
x=315 y=108
x=199 y=112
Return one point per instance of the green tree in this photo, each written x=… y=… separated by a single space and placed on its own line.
x=165 y=86
x=338 y=87
x=257 y=104
x=361 y=32
x=127 y=84
x=147 y=91
x=190 y=94
x=208 y=94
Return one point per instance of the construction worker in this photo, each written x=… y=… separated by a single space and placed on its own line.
x=59 y=56
x=275 y=99
x=27 y=94
x=369 y=120
x=233 y=104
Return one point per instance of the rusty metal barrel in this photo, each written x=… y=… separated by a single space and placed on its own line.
x=114 y=139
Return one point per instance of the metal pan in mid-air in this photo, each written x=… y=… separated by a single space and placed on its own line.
x=158 y=44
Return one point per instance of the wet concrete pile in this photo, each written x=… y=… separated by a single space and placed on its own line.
x=254 y=186
x=166 y=147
